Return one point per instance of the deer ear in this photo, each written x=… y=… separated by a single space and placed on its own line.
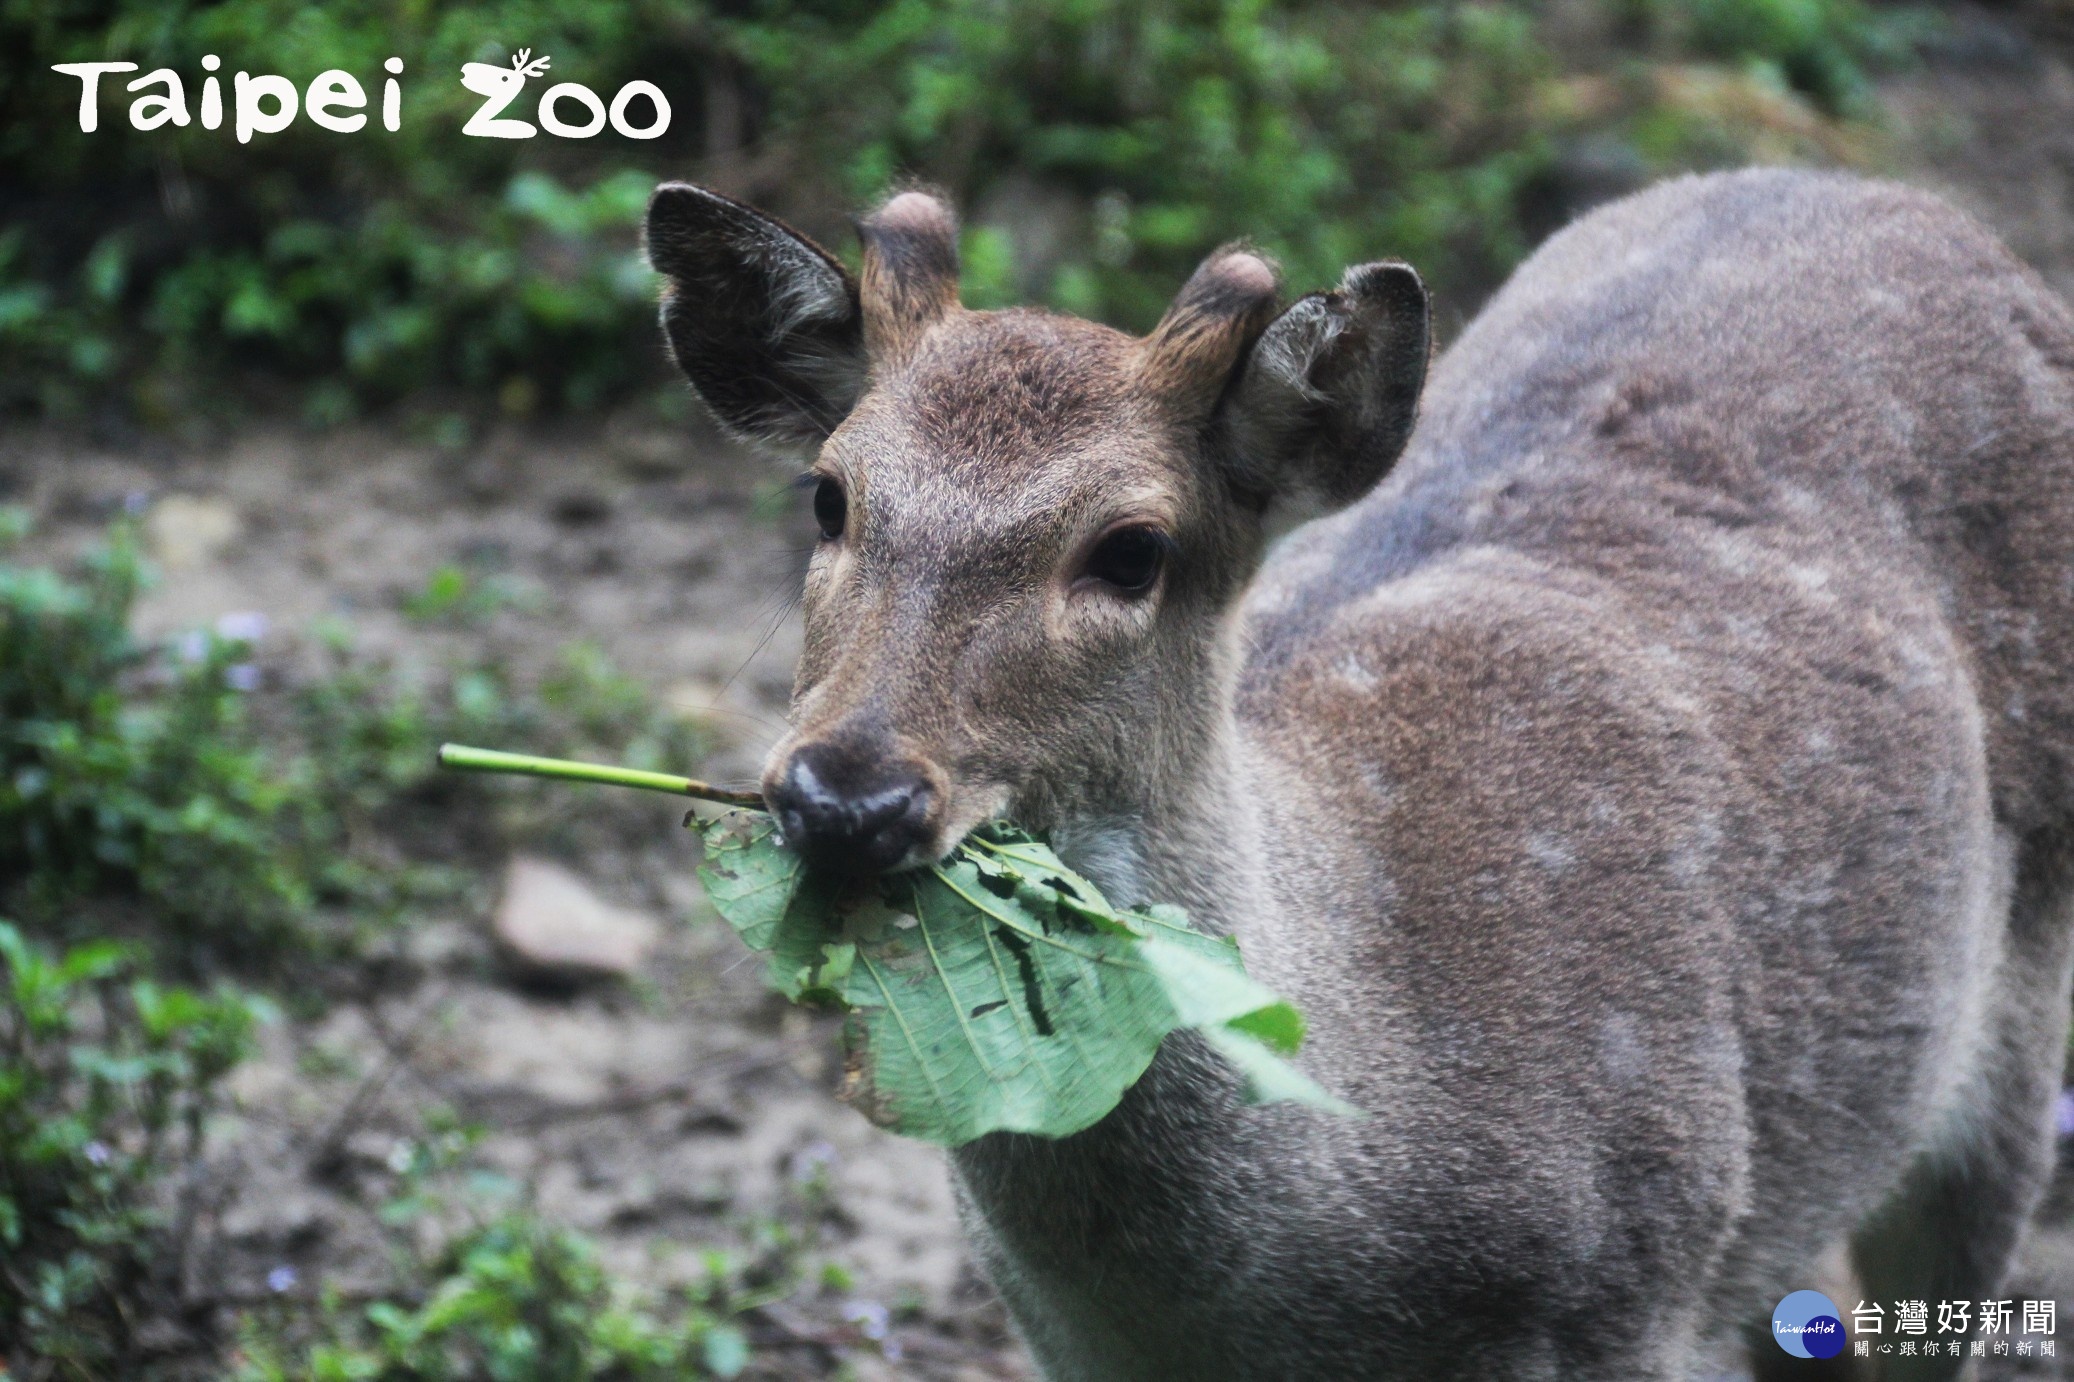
x=1328 y=395
x=763 y=321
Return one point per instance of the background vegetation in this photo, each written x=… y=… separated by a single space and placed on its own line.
x=1100 y=147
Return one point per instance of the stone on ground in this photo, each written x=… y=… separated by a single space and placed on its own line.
x=553 y=926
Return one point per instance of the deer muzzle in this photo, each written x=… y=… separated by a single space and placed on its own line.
x=850 y=810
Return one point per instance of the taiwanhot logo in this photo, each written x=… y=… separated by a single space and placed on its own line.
x=1807 y=1325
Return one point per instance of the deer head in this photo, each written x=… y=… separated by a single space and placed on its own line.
x=488 y=79
x=1032 y=526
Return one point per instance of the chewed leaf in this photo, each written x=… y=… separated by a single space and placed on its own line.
x=1241 y=1017
x=1278 y=1024
x=763 y=891
x=999 y=990
x=993 y=1017
x=749 y=879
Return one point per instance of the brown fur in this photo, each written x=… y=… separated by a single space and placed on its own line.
x=1188 y=359
x=1657 y=791
x=910 y=273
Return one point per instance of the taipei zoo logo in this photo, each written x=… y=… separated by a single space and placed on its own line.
x=1807 y=1324
x=267 y=103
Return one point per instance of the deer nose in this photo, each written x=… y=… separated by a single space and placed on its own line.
x=852 y=812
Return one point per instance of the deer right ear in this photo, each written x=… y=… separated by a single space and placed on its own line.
x=1327 y=398
x=763 y=321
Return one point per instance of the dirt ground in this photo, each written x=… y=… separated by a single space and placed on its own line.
x=689 y=1108
x=686 y=1110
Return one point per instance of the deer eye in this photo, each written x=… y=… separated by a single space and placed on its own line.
x=831 y=508
x=1129 y=559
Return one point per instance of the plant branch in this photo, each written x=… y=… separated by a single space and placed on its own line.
x=492 y=761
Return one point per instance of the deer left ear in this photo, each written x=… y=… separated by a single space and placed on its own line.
x=763 y=321
x=1326 y=400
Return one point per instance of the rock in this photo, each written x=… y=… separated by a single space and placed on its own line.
x=185 y=532
x=552 y=925
x=507 y=1054
x=159 y=1336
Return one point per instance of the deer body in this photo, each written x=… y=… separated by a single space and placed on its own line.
x=1656 y=792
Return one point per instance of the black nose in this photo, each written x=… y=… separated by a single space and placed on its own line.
x=851 y=811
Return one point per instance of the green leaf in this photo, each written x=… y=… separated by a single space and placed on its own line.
x=1270 y=1079
x=998 y=990
x=94 y=960
x=763 y=891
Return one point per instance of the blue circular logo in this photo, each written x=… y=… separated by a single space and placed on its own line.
x=1808 y=1325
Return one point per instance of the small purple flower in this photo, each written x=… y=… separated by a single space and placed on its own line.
x=193 y=646
x=242 y=676
x=811 y=1160
x=872 y=1319
x=281 y=1280
x=97 y=1153
x=136 y=501
x=243 y=626
x=2063 y=1113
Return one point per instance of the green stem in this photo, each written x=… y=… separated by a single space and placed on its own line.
x=492 y=761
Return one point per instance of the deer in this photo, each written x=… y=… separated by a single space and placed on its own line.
x=1649 y=762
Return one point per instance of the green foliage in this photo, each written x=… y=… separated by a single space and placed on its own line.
x=454 y=595
x=1102 y=147
x=506 y=1298
x=368 y=264
x=996 y=990
x=1152 y=132
x=133 y=771
x=143 y=791
x=1824 y=49
x=514 y=1300
x=106 y=1080
x=137 y=790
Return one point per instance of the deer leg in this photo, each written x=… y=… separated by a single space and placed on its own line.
x=1952 y=1230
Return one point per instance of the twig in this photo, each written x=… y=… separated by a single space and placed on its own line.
x=492 y=761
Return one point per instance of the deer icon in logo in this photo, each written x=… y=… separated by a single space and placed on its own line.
x=500 y=86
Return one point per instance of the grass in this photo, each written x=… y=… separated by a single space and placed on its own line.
x=130 y=774
x=107 y=1080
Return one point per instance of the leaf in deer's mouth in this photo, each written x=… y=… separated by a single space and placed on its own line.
x=997 y=990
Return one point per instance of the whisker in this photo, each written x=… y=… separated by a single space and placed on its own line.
x=770 y=632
